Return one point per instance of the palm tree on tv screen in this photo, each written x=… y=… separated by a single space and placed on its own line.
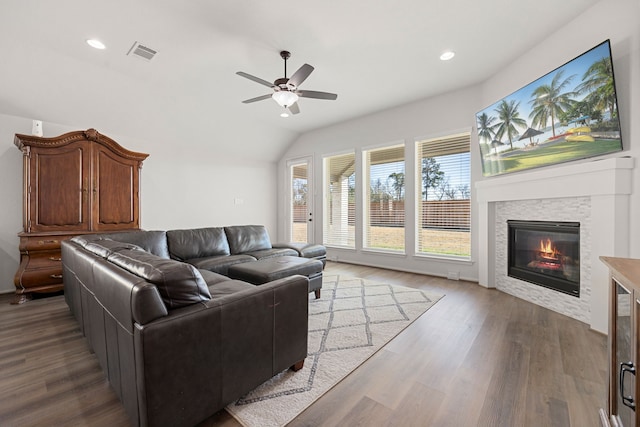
x=549 y=101
x=485 y=126
x=510 y=118
x=597 y=81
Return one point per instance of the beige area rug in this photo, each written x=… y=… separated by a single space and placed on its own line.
x=352 y=320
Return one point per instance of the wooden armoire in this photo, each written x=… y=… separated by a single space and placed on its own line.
x=77 y=183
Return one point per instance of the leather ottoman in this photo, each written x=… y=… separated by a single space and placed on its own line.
x=266 y=270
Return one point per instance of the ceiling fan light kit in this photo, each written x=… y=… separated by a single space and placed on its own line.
x=285 y=90
x=285 y=98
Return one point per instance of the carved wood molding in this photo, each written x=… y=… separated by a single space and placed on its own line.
x=22 y=141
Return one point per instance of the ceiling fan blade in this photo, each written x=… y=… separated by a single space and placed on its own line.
x=316 y=95
x=257 y=98
x=301 y=75
x=255 y=79
x=294 y=108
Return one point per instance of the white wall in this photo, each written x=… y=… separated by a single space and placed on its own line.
x=181 y=188
x=609 y=19
x=184 y=189
x=11 y=196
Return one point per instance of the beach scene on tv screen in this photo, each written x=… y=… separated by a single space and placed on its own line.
x=569 y=114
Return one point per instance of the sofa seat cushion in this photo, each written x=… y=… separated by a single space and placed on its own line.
x=220 y=264
x=179 y=284
x=197 y=243
x=271 y=253
x=212 y=278
x=247 y=238
x=228 y=287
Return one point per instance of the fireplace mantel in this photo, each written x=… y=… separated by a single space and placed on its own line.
x=607 y=182
x=599 y=177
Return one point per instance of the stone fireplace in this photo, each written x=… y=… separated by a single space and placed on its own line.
x=566 y=209
x=593 y=194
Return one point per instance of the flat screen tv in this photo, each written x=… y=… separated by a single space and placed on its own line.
x=568 y=114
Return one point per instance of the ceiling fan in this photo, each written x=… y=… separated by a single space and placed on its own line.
x=285 y=90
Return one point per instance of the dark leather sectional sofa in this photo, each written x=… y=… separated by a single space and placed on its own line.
x=177 y=339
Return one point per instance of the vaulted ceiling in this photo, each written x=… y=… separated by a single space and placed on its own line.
x=374 y=54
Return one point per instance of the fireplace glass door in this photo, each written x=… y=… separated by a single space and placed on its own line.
x=546 y=253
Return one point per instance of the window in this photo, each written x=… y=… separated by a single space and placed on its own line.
x=339 y=206
x=443 y=184
x=299 y=199
x=384 y=199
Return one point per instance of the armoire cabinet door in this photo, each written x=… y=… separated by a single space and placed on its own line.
x=115 y=192
x=58 y=183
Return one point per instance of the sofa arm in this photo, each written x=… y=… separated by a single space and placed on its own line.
x=200 y=358
x=306 y=250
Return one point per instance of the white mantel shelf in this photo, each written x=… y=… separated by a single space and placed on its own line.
x=608 y=183
x=599 y=177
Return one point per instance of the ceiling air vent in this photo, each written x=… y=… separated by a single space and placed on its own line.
x=141 y=51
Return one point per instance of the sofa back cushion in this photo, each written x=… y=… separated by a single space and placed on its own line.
x=154 y=241
x=197 y=243
x=151 y=241
x=105 y=247
x=178 y=283
x=247 y=238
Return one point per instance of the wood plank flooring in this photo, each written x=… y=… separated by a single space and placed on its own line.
x=477 y=358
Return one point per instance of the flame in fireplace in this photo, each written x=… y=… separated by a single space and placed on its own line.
x=548 y=250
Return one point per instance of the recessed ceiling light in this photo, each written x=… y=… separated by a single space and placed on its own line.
x=285 y=113
x=97 y=44
x=447 y=55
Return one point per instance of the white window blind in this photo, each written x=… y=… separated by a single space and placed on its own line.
x=384 y=199
x=443 y=183
x=339 y=202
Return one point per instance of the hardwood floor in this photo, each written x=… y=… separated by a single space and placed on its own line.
x=479 y=357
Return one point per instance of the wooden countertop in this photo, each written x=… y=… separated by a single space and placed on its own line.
x=625 y=270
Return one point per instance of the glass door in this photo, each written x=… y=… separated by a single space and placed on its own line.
x=301 y=201
x=624 y=360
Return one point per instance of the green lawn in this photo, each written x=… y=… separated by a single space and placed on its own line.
x=441 y=242
x=549 y=153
